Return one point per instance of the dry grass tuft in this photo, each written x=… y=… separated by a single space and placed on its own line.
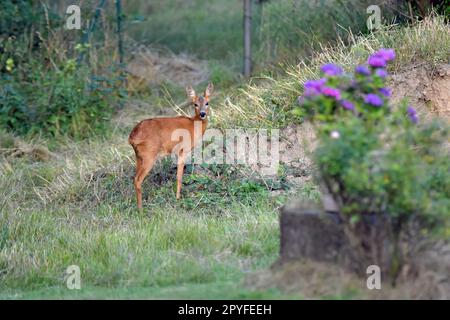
x=14 y=147
x=155 y=66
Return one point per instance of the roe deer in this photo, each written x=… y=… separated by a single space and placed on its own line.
x=154 y=137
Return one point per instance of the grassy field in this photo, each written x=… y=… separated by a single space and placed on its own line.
x=75 y=204
x=78 y=208
x=211 y=290
x=115 y=249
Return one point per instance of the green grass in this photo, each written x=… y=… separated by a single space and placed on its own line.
x=119 y=247
x=114 y=247
x=213 y=290
x=79 y=209
x=198 y=26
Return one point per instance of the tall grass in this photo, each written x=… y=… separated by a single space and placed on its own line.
x=292 y=29
x=120 y=248
x=282 y=29
x=267 y=101
x=208 y=29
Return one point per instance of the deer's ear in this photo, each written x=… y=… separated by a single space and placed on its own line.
x=209 y=90
x=190 y=93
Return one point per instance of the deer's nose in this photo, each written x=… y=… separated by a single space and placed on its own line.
x=202 y=114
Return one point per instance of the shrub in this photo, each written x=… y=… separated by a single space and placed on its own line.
x=43 y=90
x=387 y=172
x=55 y=103
x=49 y=93
x=18 y=15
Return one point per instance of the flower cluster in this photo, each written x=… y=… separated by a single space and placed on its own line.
x=363 y=92
x=375 y=162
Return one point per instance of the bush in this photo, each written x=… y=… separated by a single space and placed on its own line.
x=54 y=103
x=387 y=172
x=47 y=92
x=43 y=90
x=17 y=16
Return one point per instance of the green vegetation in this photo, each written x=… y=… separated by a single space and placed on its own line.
x=378 y=161
x=271 y=102
x=54 y=103
x=81 y=210
x=75 y=204
x=43 y=89
x=215 y=290
x=170 y=247
x=284 y=30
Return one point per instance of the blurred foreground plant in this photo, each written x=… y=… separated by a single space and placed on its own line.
x=388 y=173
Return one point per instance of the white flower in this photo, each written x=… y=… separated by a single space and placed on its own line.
x=335 y=134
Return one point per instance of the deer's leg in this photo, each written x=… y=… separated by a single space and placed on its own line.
x=145 y=161
x=180 y=170
x=138 y=190
x=137 y=184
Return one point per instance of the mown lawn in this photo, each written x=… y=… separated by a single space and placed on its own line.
x=212 y=290
x=170 y=253
x=79 y=209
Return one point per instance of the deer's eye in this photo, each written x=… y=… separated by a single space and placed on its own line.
x=207 y=104
x=196 y=104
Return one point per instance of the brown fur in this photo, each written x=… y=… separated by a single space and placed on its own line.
x=153 y=137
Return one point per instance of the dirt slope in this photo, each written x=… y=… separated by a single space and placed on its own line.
x=426 y=88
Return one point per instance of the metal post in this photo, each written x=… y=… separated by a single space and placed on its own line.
x=86 y=34
x=119 y=29
x=247 y=37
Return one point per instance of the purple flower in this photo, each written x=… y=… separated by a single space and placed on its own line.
x=386 y=54
x=412 y=114
x=381 y=57
x=385 y=92
x=348 y=105
x=311 y=92
x=353 y=83
x=376 y=61
x=331 y=92
x=382 y=73
x=373 y=100
x=313 y=87
x=331 y=69
x=362 y=70
x=317 y=84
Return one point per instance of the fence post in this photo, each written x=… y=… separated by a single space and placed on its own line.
x=86 y=35
x=247 y=37
x=119 y=30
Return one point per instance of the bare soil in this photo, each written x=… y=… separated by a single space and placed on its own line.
x=426 y=87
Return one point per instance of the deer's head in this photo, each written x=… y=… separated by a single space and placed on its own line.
x=201 y=103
